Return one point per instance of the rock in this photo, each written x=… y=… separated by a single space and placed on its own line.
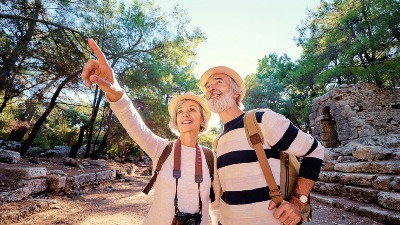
x=395 y=184
x=369 y=153
x=389 y=200
x=33 y=160
x=32 y=151
x=70 y=162
x=99 y=162
x=18 y=173
x=10 y=157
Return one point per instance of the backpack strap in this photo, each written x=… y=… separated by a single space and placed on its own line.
x=164 y=155
x=256 y=140
x=209 y=155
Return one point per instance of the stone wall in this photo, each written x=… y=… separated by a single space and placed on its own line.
x=356 y=113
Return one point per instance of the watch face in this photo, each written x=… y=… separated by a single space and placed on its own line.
x=303 y=199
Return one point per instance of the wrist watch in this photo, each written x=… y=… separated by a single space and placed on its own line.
x=303 y=199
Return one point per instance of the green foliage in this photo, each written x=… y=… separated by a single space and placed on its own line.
x=151 y=52
x=344 y=42
x=354 y=41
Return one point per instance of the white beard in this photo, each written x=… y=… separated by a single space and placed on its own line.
x=221 y=103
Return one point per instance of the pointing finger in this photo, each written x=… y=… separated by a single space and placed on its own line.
x=97 y=51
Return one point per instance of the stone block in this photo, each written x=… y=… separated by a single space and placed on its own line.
x=334 y=189
x=382 y=182
x=330 y=177
x=362 y=194
x=56 y=182
x=11 y=157
x=82 y=179
x=347 y=149
x=358 y=179
x=389 y=200
x=104 y=175
x=15 y=195
x=24 y=172
x=99 y=162
x=35 y=185
x=34 y=151
x=350 y=167
x=330 y=155
x=383 y=167
x=369 y=153
x=395 y=183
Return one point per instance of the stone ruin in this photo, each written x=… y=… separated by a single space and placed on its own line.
x=360 y=127
x=362 y=113
x=38 y=182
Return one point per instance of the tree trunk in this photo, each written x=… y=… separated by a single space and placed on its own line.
x=89 y=135
x=78 y=144
x=4 y=103
x=36 y=128
x=96 y=154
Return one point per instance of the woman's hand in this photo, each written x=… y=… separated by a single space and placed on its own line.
x=99 y=72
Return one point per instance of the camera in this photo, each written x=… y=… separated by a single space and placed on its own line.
x=188 y=218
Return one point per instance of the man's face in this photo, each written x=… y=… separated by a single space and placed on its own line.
x=219 y=94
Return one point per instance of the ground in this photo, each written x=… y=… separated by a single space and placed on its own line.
x=121 y=202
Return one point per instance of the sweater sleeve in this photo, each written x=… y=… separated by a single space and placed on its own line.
x=136 y=128
x=283 y=135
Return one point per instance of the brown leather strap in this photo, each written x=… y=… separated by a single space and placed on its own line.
x=198 y=177
x=209 y=155
x=164 y=155
x=177 y=159
x=198 y=171
x=256 y=140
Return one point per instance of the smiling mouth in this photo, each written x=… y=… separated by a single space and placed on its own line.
x=214 y=95
x=187 y=122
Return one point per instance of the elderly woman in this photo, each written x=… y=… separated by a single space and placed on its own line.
x=183 y=185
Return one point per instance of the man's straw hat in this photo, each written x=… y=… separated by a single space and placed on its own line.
x=224 y=70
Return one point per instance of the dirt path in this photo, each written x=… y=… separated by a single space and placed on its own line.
x=123 y=203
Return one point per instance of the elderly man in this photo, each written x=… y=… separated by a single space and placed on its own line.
x=244 y=197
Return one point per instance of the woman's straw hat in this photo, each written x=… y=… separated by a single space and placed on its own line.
x=188 y=96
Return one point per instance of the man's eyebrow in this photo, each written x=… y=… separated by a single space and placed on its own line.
x=215 y=78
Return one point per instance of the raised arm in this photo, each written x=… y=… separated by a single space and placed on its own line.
x=99 y=72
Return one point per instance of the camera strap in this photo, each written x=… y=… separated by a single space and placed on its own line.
x=198 y=172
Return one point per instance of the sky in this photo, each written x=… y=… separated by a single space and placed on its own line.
x=239 y=33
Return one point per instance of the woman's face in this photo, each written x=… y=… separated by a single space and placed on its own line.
x=188 y=117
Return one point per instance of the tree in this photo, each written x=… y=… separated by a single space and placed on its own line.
x=16 y=49
x=354 y=41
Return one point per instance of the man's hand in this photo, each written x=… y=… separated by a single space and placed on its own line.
x=99 y=72
x=287 y=213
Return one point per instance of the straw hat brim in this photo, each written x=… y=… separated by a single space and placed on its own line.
x=223 y=70
x=188 y=96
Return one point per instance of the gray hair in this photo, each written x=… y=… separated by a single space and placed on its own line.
x=236 y=90
x=173 y=123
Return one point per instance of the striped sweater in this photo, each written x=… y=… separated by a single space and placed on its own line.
x=244 y=197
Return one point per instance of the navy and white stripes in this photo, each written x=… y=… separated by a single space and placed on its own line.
x=244 y=188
